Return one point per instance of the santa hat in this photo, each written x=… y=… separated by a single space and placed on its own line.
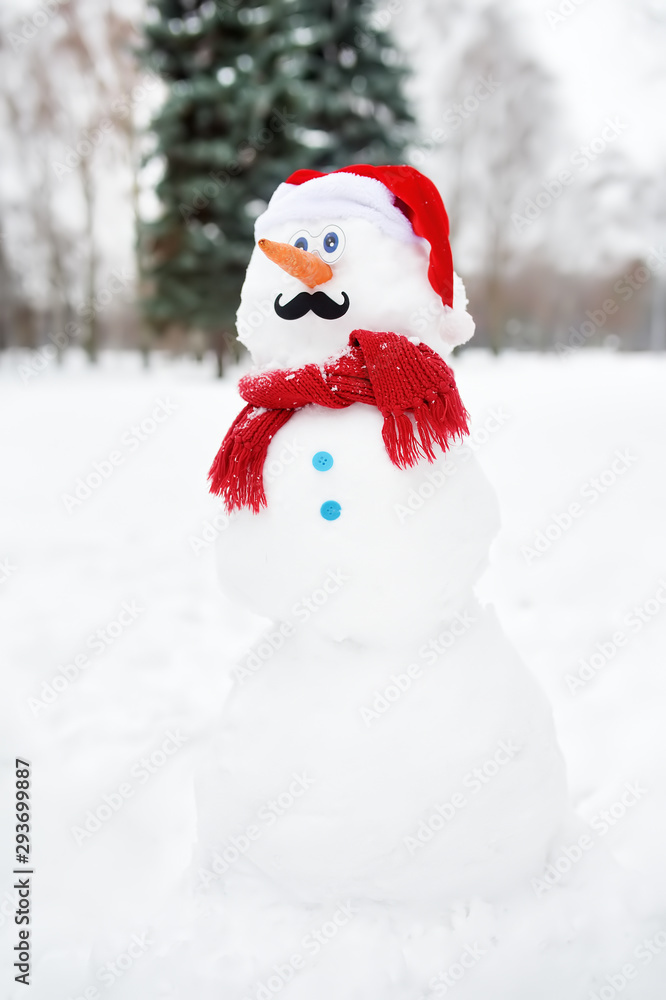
x=401 y=200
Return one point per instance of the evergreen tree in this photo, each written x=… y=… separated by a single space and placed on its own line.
x=256 y=89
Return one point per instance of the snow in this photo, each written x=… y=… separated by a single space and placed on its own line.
x=544 y=428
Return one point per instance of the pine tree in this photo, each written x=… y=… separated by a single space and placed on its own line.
x=256 y=89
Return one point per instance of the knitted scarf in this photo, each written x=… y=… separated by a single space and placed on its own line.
x=412 y=387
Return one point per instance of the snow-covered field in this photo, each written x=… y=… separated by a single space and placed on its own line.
x=117 y=645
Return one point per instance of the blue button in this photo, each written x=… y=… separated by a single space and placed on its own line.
x=322 y=461
x=331 y=510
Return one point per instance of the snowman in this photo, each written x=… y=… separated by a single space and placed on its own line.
x=384 y=782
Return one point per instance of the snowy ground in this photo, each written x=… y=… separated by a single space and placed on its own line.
x=118 y=713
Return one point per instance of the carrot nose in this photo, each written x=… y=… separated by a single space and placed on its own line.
x=307 y=267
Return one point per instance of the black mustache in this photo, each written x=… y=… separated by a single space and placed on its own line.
x=317 y=302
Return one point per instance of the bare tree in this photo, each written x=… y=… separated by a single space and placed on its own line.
x=490 y=130
x=69 y=125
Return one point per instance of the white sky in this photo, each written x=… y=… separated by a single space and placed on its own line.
x=611 y=60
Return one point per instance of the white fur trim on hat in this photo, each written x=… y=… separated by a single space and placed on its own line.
x=456 y=325
x=337 y=196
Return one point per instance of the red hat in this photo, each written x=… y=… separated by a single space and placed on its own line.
x=418 y=199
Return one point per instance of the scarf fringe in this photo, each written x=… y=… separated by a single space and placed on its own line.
x=237 y=476
x=437 y=421
x=237 y=470
x=400 y=441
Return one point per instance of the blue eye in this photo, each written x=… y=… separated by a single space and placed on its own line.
x=301 y=243
x=331 y=242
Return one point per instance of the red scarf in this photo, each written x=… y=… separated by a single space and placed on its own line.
x=403 y=380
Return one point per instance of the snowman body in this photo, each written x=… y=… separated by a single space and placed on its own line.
x=383 y=750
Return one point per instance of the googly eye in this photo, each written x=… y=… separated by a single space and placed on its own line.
x=301 y=241
x=331 y=243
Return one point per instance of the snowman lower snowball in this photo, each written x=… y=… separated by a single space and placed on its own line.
x=384 y=800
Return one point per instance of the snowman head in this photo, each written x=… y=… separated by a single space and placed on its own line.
x=361 y=248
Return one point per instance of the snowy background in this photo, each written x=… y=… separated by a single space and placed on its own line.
x=144 y=537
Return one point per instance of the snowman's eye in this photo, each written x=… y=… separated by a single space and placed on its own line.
x=331 y=242
x=301 y=243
